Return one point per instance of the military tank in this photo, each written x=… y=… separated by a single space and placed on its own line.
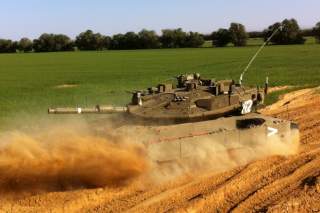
x=174 y=120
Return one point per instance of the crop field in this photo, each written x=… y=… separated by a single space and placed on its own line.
x=30 y=83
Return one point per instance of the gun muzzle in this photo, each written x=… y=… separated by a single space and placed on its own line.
x=93 y=110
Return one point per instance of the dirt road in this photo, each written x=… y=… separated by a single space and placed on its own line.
x=273 y=184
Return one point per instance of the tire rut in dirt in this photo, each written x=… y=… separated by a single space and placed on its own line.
x=280 y=188
x=232 y=194
x=137 y=196
x=91 y=200
x=172 y=198
x=187 y=195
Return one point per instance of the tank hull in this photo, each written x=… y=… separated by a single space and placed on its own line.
x=233 y=135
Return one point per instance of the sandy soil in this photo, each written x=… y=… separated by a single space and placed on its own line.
x=64 y=86
x=279 y=88
x=273 y=184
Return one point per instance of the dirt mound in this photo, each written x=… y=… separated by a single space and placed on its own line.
x=291 y=101
x=274 y=184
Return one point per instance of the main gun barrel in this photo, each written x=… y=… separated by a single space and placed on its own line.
x=93 y=110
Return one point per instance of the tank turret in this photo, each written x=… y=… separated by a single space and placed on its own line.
x=192 y=98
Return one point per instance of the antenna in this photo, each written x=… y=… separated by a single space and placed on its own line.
x=259 y=50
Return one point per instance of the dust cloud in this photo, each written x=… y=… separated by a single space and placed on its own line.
x=203 y=154
x=66 y=157
x=73 y=156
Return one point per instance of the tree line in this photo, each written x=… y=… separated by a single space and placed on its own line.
x=88 y=40
x=149 y=39
x=289 y=33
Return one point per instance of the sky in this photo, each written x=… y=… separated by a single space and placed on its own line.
x=31 y=18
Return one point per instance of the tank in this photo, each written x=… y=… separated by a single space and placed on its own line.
x=173 y=120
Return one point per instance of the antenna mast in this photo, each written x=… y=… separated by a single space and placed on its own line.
x=258 y=52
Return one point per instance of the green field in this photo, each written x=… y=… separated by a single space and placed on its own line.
x=28 y=82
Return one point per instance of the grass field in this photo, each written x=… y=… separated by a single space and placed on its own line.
x=29 y=83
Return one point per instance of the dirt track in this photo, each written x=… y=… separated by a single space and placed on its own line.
x=274 y=184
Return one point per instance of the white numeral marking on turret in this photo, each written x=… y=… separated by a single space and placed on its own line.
x=246 y=107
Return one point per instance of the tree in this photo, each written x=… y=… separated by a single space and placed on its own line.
x=307 y=32
x=207 y=37
x=148 y=39
x=62 y=43
x=290 y=33
x=128 y=41
x=92 y=41
x=106 y=42
x=316 y=31
x=180 y=38
x=168 y=39
x=25 y=45
x=45 y=43
x=118 y=42
x=131 y=41
x=238 y=34
x=173 y=38
x=7 y=46
x=52 y=43
x=14 y=47
x=194 y=39
x=256 y=34
x=221 y=38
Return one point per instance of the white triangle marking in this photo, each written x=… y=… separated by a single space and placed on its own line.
x=272 y=131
